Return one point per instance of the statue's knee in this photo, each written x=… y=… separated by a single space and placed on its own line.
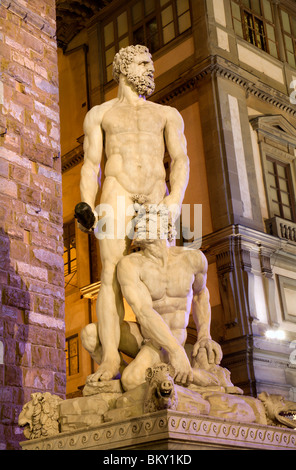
x=131 y=378
x=89 y=337
x=127 y=380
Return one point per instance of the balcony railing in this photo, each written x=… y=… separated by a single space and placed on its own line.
x=281 y=228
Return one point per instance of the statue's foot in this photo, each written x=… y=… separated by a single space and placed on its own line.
x=106 y=371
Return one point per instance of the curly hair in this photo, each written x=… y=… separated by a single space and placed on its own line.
x=125 y=56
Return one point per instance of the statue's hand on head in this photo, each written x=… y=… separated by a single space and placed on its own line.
x=85 y=216
x=173 y=208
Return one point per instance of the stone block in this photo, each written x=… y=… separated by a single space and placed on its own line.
x=60 y=383
x=44 y=304
x=81 y=412
x=47 y=259
x=8 y=187
x=20 y=175
x=4 y=168
x=29 y=195
x=38 y=379
x=16 y=297
x=13 y=376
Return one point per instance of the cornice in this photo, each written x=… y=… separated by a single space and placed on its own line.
x=277 y=128
x=223 y=241
x=72 y=158
x=218 y=67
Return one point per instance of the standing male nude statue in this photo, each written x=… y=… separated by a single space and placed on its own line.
x=133 y=133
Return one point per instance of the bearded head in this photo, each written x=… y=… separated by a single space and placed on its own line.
x=152 y=223
x=129 y=62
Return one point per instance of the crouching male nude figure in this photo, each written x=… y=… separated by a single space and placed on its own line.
x=160 y=283
x=133 y=132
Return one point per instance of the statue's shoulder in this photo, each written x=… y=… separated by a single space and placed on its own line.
x=170 y=110
x=196 y=258
x=130 y=262
x=96 y=113
x=172 y=115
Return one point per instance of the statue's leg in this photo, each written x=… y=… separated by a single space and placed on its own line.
x=131 y=338
x=130 y=343
x=90 y=341
x=134 y=374
x=204 y=378
x=110 y=314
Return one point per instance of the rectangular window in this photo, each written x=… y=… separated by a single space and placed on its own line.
x=70 y=259
x=289 y=32
x=161 y=23
x=153 y=23
x=280 y=189
x=253 y=21
x=69 y=248
x=72 y=355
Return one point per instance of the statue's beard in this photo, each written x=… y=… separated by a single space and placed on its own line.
x=144 y=85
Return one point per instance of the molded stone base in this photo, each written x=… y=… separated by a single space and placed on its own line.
x=168 y=429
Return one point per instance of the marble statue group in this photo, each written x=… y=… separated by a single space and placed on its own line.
x=163 y=283
x=160 y=282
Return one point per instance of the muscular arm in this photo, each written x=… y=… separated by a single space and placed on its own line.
x=93 y=148
x=139 y=298
x=201 y=312
x=177 y=147
x=201 y=309
x=152 y=325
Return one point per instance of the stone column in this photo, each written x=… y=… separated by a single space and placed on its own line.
x=31 y=231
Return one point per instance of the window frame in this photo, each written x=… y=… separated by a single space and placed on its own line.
x=276 y=139
x=134 y=27
x=143 y=22
x=282 y=283
x=71 y=275
x=293 y=38
x=255 y=16
x=67 y=244
x=68 y=361
x=286 y=165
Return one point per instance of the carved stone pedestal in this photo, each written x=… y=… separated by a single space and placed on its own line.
x=173 y=430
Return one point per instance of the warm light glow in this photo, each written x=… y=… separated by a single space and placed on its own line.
x=275 y=334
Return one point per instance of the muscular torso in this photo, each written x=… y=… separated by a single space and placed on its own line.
x=171 y=293
x=134 y=146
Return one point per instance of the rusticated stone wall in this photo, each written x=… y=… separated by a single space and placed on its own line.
x=32 y=345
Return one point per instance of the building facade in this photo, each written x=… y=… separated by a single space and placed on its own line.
x=229 y=67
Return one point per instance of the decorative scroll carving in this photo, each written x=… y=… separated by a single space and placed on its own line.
x=169 y=424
